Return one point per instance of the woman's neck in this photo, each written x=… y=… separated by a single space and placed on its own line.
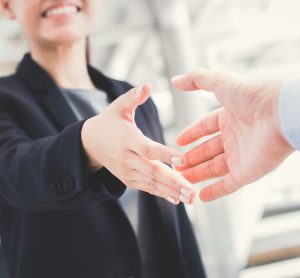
x=66 y=64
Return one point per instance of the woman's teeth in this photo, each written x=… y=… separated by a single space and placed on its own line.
x=62 y=10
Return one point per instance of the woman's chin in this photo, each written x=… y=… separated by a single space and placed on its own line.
x=63 y=38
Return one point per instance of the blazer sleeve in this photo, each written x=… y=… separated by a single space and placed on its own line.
x=49 y=173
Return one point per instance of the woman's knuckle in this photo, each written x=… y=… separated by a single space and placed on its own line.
x=145 y=150
x=127 y=182
x=174 y=183
x=122 y=156
x=131 y=174
x=153 y=169
x=150 y=191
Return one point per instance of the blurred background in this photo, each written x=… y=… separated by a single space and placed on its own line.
x=254 y=233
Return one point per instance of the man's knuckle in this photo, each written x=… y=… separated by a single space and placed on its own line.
x=220 y=80
x=206 y=152
x=211 y=169
x=205 y=126
x=229 y=188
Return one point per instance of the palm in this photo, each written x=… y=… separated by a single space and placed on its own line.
x=247 y=148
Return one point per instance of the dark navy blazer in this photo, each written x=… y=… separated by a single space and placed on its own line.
x=56 y=221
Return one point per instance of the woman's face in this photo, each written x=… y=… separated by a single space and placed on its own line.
x=52 y=22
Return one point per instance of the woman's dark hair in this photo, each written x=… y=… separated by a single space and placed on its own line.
x=88 y=50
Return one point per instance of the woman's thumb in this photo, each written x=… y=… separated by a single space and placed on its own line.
x=134 y=98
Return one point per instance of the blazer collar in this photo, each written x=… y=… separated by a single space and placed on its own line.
x=49 y=94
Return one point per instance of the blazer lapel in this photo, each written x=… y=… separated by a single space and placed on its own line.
x=46 y=91
x=49 y=95
x=58 y=108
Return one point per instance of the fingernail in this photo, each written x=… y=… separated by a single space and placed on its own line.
x=184 y=199
x=186 y=193
x=139 y=89
x=171 y=200
x=177 y=160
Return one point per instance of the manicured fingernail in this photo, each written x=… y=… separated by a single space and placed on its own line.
x=186 y=193
x=176 y=160
x=139 y=89
x=171 y=200
x=184 y=199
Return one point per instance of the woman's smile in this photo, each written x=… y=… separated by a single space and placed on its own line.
x=62 y=10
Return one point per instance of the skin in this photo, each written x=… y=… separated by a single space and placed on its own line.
x=245 y=140
x=58 y=44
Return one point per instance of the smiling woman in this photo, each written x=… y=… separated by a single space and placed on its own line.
x=84 y=186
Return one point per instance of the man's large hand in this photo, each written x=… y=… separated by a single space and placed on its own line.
x=248 y=142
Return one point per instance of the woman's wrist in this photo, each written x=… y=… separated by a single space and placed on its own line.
x=92 y=164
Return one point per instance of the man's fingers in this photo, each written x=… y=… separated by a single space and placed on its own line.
x=200 y=79
x=207 y=126
x=202 y=153
x=219 y=189
x=214 y=168
x=129 y=102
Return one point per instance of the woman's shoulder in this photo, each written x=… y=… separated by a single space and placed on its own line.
x=10 y=84
x=13 y=91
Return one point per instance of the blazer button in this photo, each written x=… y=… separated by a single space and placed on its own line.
x=69 y=184
x=56 y=187
x=52 y=188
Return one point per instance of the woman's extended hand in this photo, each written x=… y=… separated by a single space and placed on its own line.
x=248 y=142
x=112 y=140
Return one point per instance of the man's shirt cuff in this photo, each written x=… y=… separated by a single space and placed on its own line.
x=289 y=111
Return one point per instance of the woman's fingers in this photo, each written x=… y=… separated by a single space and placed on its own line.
x=214 y=168
x=219 y=189
x=161 y=178
x=207 y=126
x=158 y=189
x=172 y=180
x=202 y=153
x=152 y=150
